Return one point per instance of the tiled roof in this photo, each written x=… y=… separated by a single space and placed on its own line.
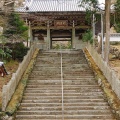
x=50 y=6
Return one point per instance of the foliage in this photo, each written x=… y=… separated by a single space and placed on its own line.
x=63 y=46
x=91 y=8
x=57 y=46
x=3 y=40
x=5 y=52
x=5 y=55
x=69 y=46
x=88 y=3
x=19 y=51
x=88 y=36
x=117 y=14
x=15 y=26
x=3 y=20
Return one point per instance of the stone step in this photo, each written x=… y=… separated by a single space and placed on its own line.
x=83 y=98
x=59 y=90
x=35 y=90
x=72 y=112
x=45 y=73
x=59 y=77
x=79 y=58
x=83 y=116
x=59 y=100
x=59 y=97
x=65 y=81
x=50 y=66
x=70 y=79
x=44 y=78
x=49 y=61
x=65 y=72
x=65 y=119
x=65 y=65
x=59 y=55
x=56 y=86
x=51 y=73
x=56 y=80
x=67 y=108
x=66 y=94
x=65 y=104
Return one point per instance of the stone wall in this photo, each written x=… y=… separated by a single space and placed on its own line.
x=78 y=44
x=115 y=51
x=19 y=3
x=108 y=72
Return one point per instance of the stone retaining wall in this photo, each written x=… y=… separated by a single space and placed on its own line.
x=115 y=51
x=9 y=89
x=108 y=72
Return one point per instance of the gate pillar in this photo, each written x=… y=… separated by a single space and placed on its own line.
x=73 y=35
x=48 y=36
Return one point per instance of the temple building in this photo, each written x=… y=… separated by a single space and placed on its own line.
x=55 y=20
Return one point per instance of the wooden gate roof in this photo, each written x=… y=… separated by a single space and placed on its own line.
x=51 y=6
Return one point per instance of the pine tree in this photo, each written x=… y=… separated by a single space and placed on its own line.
x=15 y=27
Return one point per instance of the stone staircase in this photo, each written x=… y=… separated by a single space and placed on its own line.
x=83 y=99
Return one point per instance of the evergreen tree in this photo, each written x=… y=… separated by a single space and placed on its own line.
x=117 y=16
x=93 y=4
x=15 y=27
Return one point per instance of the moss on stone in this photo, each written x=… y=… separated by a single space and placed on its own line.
x=112 y=98
x=17 y=96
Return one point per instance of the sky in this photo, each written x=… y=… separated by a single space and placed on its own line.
x=101 y=1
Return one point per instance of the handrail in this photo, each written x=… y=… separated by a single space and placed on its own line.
x=62 y=85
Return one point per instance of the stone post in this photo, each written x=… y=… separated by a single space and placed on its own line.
x=48 y=36
x=93 y=28
x=30 y=37
x=73 y=35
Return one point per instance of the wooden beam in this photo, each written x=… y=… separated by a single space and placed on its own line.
x=57 y=28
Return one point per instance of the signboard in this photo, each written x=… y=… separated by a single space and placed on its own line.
x=61 y=23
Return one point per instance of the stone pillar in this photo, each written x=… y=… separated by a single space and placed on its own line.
x=73 y=35
x=93 y=28
x=30 y=37
x=48 y=36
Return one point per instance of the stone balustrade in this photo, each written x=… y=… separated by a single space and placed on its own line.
x=108 y=72
x=9 y=89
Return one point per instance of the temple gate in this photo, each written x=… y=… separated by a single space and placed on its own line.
x=48 y=23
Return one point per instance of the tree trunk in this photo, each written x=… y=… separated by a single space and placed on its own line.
x=107 y=20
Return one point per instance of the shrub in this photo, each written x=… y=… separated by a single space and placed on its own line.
x=88 y=36
x=19 y=51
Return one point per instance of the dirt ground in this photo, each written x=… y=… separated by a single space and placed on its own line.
x=114 y=62
x=11 y=67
